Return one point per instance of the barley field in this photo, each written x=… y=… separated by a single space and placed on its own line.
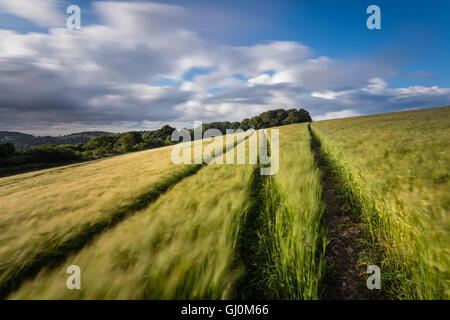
x=292 y=240
x=394 y=172
x=192 y=241
x=179 y=247
x=141 y=227
x=47 y=213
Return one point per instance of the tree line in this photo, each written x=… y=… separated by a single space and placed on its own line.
x=108 y=145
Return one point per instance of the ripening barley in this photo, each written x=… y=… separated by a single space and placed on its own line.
x=394 y=167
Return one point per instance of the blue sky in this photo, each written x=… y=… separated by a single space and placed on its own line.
x=138 y=65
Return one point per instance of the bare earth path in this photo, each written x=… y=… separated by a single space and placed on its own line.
x=343 y=279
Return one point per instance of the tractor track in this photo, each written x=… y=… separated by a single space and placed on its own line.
x=343 y=279
x=57 y=254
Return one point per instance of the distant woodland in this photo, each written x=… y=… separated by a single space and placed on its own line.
x=21 y=152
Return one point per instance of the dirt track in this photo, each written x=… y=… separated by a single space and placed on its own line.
x=343 y=275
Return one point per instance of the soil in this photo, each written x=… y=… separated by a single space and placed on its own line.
x=344 y=279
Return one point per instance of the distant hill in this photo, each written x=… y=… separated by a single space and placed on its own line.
x=24 y=141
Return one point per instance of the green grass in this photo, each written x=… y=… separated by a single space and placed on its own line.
x=286 y=255
x=297 y=229
x=181 y=246
x=211 y=236
x=393 y=170
x=228 y=232
x=47 y=214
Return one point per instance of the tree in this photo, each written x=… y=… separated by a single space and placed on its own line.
x=245 y=124
x=104 y=144
x=158 y=138
x=51 y=154
x=234 y=125
x=221 y=126
x=163 y=133
x=297 y=116
x=127 y=141
x=7 y=149
x=254 y=122
x=272 y=118
x=304 y=115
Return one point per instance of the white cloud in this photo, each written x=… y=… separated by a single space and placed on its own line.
x=328 y=94
x=261 y=79
x=336 y=115
x=44 y=13
x=107 y=75
x=376 y=86
x=415 y=91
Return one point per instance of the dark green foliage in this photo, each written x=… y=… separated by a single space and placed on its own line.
x=294 y=116
x=34 y=157
x=254 y=122
x=51 y=153
x=221 y=126
x=105 y=142
x=24 y=141
x=7 y=149
x=101 y=146
x=163 y=133
x=278 y=117
x=158 y=138
x=155 y=143
x=127 y=142
x=268 y=119
x=234 y=125
x=94 y=145
x=245 y=124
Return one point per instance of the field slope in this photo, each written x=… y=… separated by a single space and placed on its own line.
x=181 y=246
x=49 y=213
x=193 y=241
x=393 y=169
x=141 y=227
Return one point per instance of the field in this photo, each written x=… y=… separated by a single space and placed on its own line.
x=394 y=174
x=292 y=239
x=48 y=213
x=179 y=247
x=141 y=227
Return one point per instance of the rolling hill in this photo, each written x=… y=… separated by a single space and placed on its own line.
x=23 y=141
x=349 y=193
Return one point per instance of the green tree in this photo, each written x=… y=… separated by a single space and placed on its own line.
x=297 y=116
x=254 y=122
x=158 y=138
x=104 y=143
x=245 y=125
x=127 y=141
x=234 y=125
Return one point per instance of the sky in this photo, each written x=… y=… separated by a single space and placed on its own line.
x=137 y=65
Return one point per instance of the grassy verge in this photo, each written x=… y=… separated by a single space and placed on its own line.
x=392 y=173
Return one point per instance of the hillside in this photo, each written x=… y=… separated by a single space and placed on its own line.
x=24 y=141
x=349 y=193
x=393 y=174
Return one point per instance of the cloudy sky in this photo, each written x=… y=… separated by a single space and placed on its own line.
x=139 y=65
